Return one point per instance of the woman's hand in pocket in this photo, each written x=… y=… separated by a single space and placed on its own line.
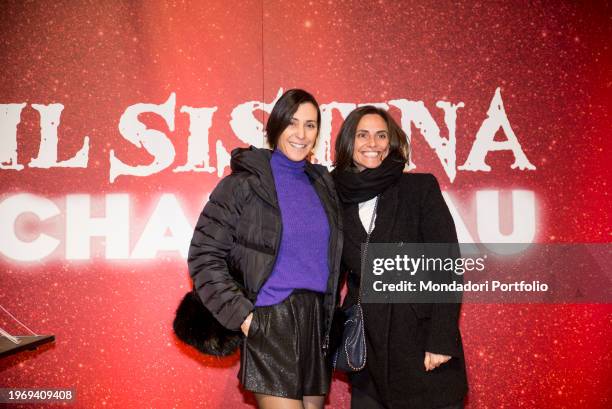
x=246 y=324
x=432 y=361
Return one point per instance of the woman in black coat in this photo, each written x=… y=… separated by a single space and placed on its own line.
x=414 y=351
x=265 y=259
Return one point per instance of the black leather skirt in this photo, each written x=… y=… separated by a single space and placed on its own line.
x=282 y=354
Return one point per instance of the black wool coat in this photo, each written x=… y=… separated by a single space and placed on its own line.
x=238 y=234
x=397 y=335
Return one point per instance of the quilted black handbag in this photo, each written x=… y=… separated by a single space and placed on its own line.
x=351 y=354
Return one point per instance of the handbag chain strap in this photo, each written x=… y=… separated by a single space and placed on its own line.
x=364 y=255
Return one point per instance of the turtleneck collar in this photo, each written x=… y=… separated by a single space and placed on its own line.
x=279 y=159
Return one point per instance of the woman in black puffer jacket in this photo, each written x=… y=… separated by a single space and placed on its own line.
x=265 y=258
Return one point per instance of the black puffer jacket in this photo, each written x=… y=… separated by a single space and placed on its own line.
x=238 y=234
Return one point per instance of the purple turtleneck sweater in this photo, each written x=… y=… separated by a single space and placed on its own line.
x=301 y=262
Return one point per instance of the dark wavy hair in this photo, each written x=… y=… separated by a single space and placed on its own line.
x=283 y=111
x=345 y=141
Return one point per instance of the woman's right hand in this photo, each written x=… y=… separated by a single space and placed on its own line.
x=246 y=324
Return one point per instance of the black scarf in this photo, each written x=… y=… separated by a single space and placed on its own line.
x=356 y=187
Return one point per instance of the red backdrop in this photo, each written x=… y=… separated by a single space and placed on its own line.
x=209 y=71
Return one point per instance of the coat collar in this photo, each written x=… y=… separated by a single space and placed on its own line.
x=257 y=162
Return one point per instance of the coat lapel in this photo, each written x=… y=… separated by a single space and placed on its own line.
x=386 y=214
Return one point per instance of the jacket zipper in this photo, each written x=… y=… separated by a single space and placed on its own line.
x=276 y=247
x=333 y=269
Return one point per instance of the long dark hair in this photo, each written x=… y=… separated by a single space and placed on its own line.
x=283 y=111
x=345 y=141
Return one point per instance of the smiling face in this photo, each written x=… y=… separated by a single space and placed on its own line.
x=298 y=139
x=371 y=142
